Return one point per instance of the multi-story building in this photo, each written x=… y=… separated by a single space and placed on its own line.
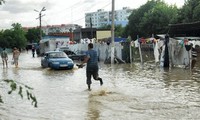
x=102 y=18
x=58 y=30
x=51 y=29
x=63 y=28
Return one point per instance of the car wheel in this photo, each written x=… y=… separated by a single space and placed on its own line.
x=49 y=65
x=42 y=65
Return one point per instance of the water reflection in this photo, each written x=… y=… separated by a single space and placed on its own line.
x=93 y=109
x=129 y=92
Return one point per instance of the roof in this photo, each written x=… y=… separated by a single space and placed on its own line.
x=185 y=29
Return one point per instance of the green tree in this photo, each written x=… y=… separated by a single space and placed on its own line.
x=19 y=35
x=157 y=19
x=13 y=37
x=7 y=40
x=151 y=18
x=189 y=12
x=3 y=40
x=33 y=35
x=133 y=28
x=118 y=29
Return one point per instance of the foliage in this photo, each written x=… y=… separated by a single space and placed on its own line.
x=13 y=37
x=156 y=20
x=33 y=35
x=135 y=18
x=118 y=29
x=3 y=42
x=151 y=18
x=19 y=35
x=189 y=12
x=22 y=89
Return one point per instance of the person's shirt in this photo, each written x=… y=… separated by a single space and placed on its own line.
x=16 y=53
x=4 y=54
x=33 y=50
x=93 y=59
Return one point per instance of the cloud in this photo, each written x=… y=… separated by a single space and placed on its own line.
x=18 y=7
x=58 y=11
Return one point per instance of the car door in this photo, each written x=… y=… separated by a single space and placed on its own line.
x=46 y=60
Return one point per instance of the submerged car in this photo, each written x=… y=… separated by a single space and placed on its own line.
x=56 y=60
x=79 y=55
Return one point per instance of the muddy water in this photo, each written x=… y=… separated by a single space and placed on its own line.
x=130 y=92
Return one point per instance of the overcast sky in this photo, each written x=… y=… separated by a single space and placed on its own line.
x=60 y=11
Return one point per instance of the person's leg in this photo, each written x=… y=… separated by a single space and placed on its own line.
x=16 y=62
x=88 y=82
x=3 y=61
x=96 y=77
x=6 y=63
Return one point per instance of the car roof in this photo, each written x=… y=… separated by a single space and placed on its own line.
x=63 y=47
x=54 y=52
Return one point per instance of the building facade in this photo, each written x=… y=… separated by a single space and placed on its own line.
x=55 y=29
x=63 y=28
x=102 y=18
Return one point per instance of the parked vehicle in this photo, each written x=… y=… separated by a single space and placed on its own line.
x=56 y=60
x=79 y=55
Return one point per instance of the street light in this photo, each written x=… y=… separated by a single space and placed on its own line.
x=40 y=16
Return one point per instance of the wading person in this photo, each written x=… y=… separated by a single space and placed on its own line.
x=4 y=57
x=33 y=51
x=92 y=67
x=16 y=54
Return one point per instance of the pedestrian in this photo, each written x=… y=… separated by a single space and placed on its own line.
x=16 y=54
x=33 y=50
x=27 y=48
x=4 y=56
x=194 y=56
x=92 y=67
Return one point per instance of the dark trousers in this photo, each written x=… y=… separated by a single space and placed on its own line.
x=92 y=72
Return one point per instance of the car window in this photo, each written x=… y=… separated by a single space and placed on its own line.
x=69 y=52
x=57 y=55
x=63 y=48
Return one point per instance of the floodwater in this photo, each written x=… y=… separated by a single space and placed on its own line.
x=130 y=92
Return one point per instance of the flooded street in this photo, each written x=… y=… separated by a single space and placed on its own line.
x=129 y=93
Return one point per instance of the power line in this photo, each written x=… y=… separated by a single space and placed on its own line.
x=84 y=16
x=77 y=11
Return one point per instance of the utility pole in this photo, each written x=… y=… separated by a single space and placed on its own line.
x=91 y=28
x=112 y=33
x=40 y=19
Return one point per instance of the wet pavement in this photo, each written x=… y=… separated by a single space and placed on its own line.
x=130 y=92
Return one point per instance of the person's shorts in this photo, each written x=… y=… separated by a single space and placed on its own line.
x=15 y=60
x=92 y=73
x=4 y=59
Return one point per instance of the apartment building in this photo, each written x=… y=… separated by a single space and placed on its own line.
x=102 y=18
x=63 y=28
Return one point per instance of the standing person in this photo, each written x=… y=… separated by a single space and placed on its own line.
x=33 y=50
x=27 y=48
x=92 y=66
x=194 y=56
x=16 y=54
x=4 y=57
